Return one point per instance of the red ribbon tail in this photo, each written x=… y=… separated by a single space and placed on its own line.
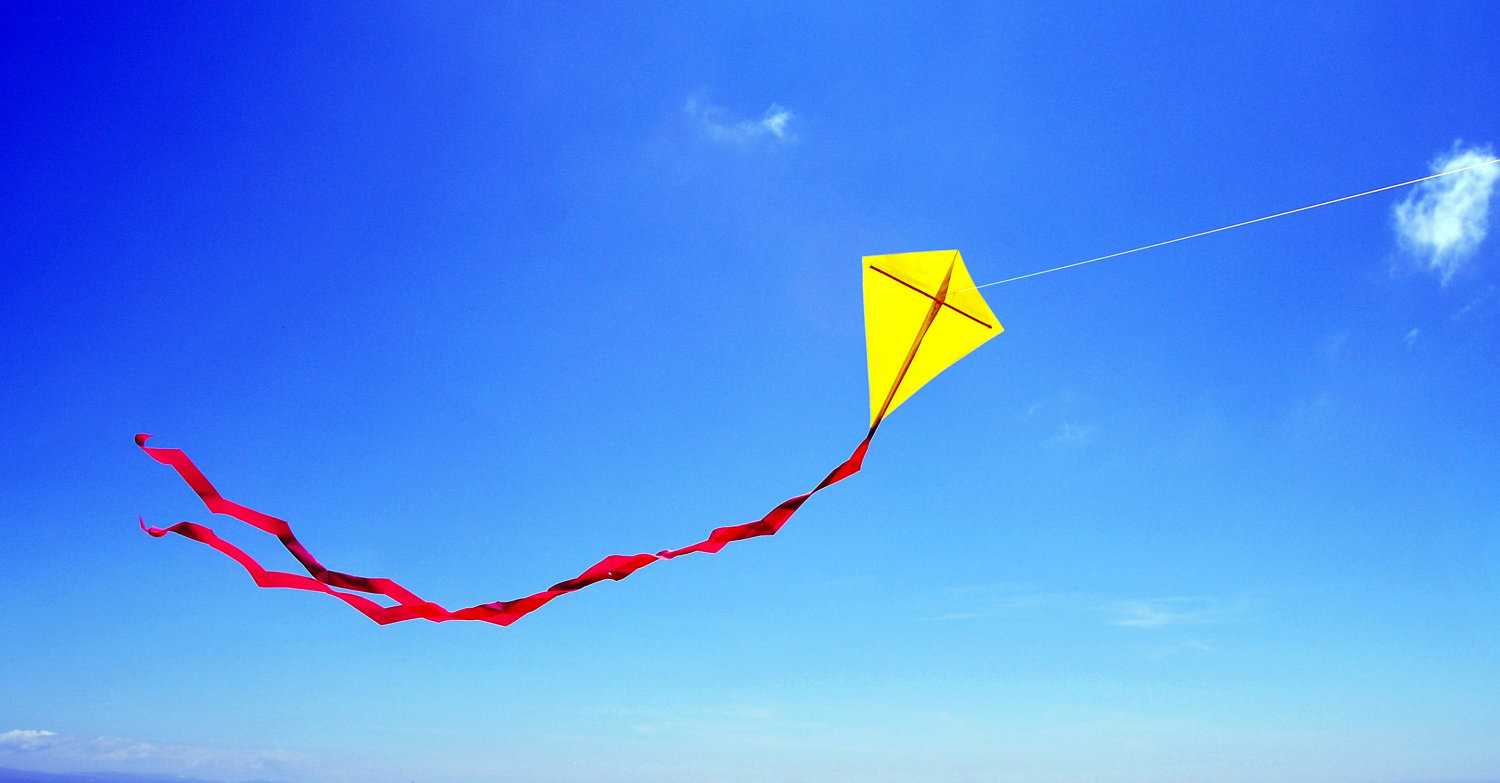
x=410 y=606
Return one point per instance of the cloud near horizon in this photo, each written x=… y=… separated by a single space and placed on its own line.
x=1443 y=221
x=49 y=751
x=26 y=739
x=716 y=124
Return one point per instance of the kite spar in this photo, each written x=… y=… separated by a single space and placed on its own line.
x=922 y=314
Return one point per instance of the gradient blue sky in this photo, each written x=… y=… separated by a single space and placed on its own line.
x=476 y=294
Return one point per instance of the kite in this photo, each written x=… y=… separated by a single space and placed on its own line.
x=922 y=314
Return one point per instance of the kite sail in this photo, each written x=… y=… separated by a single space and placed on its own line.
x=922 y=314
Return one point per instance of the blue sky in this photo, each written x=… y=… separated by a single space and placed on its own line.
x=475 y=295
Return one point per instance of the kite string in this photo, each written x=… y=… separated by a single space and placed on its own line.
x=1236 y=225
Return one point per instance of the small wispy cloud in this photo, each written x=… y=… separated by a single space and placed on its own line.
x=1334 y=346
x=1478 y=306
x=1184 y=646
x=997 y=601
x=1078 y=434
x=717 y=124
x=1170 y=611
x=1443 y=221
x=956 y=616
x=1411 y=337
x=1140 y=614
x=766 y=725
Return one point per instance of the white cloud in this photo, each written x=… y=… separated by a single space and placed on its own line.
x=1411 y=337
x=952 y=616
x=716 y=124
x=1139 y=614
x=985 y=601
x=1443 y=221
x=1074 y=433
x=1334 y=346
x=1186 y=645
x=1171 y=611
x=1479 y=306
x=26 y=739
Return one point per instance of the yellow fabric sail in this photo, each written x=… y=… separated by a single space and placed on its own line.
x=922 y=314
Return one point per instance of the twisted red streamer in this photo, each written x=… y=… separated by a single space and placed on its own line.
x=409 y=605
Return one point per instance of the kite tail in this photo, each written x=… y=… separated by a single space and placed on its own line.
x=410 y=606
x=273 y=525
x=267 y=578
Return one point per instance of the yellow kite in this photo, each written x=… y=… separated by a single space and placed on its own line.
x=922 y=314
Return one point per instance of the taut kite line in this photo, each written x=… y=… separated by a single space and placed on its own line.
x=1242 y=223
x=922 y=314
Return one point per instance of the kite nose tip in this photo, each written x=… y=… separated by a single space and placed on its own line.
x=141 y=438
